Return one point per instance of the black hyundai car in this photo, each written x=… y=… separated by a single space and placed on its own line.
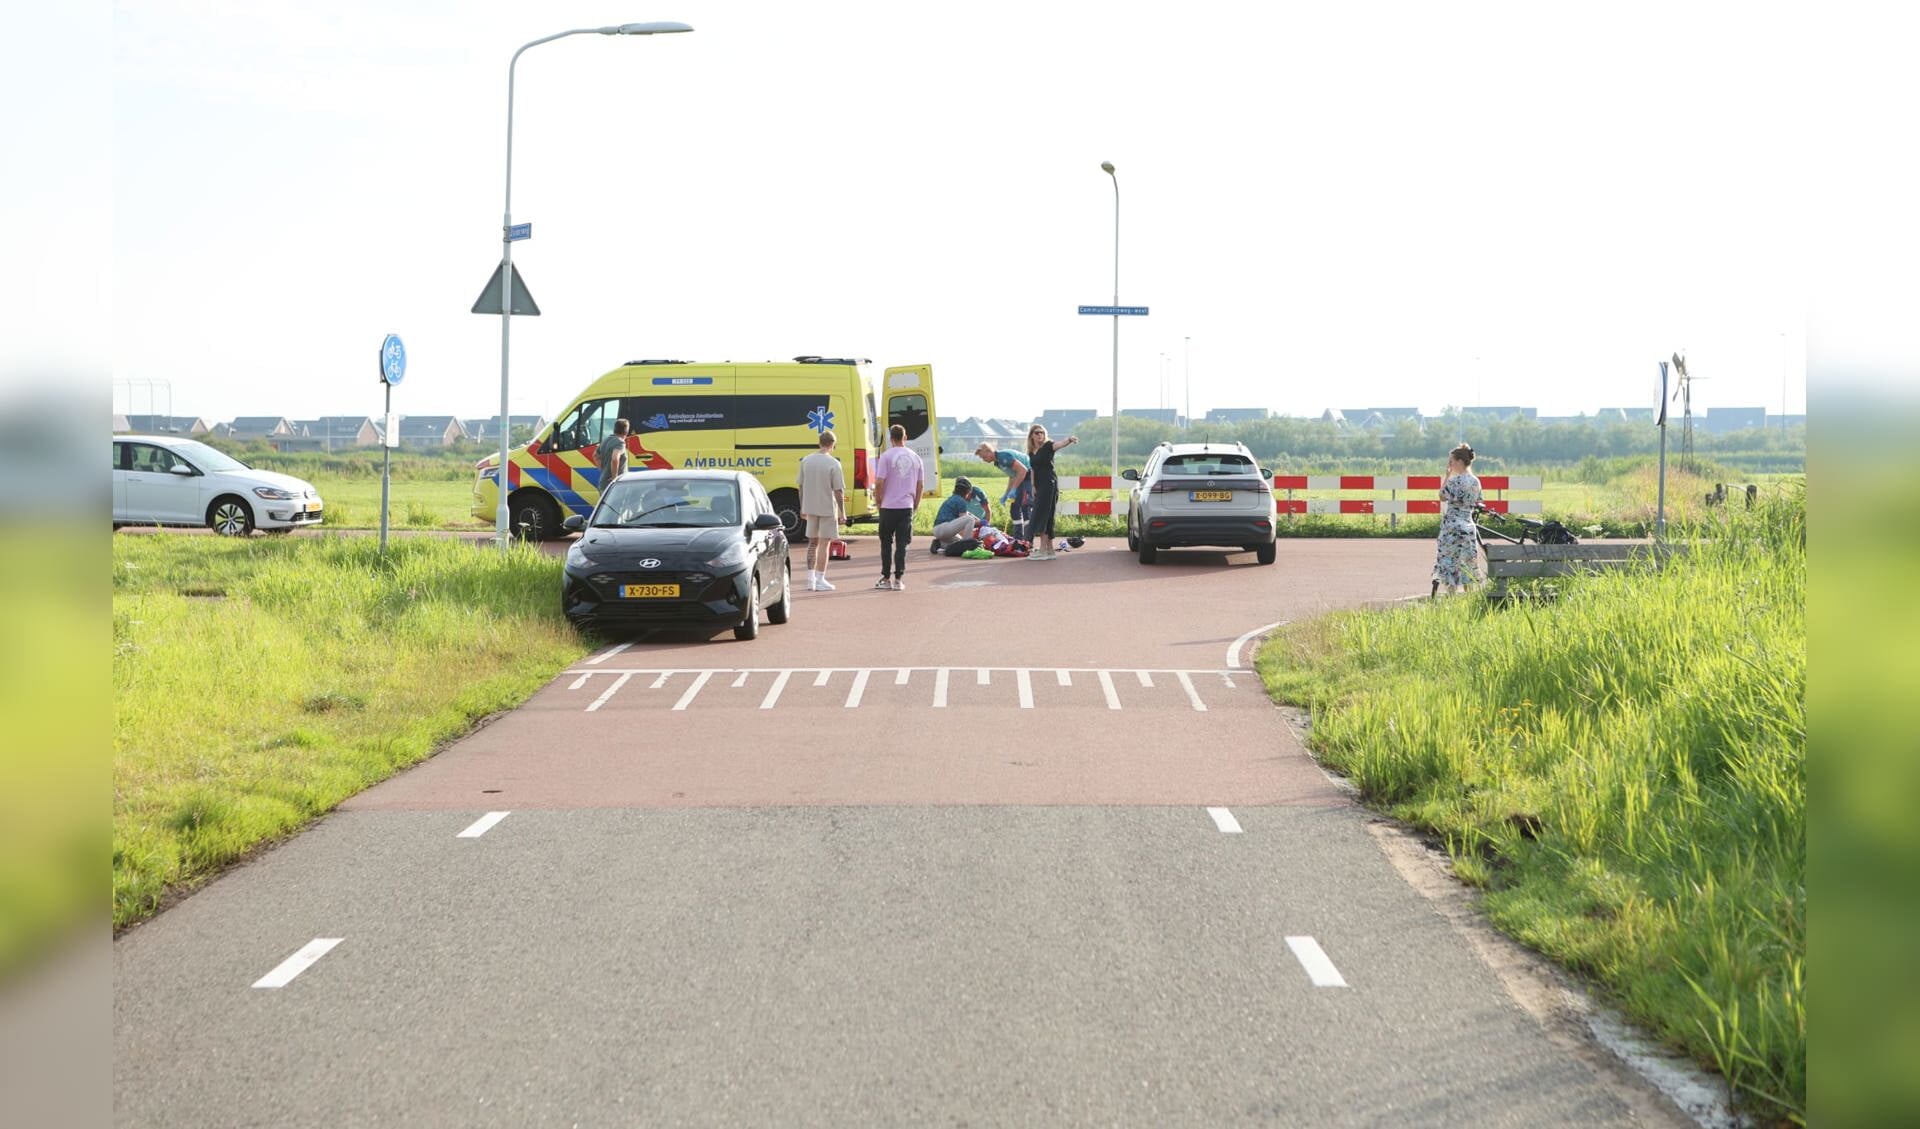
x=679 y=547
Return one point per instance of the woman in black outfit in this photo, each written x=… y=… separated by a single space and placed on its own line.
x=1046 y=488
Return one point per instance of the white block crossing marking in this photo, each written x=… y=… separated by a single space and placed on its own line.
x=824 y=675
x=1106 y=687
x=608 y=692
x=1146 y=679
x=662 y=680
x=859 y=688
x=1223 y=819
x=1320 y=970
x=900 y=679
x=1193 y=695
x=940 y=689
x=1228 y=679
x=742 y=680
x=283 y=974
x=1025 y=677
x=581 y=681
x=773 y=692
x=1066 y=677
x=686 y=699
x=986 y=677
x=1233 y=652
x=482 y=825
x=607 y=654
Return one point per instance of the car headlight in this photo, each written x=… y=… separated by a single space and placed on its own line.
x=729 y=559
x=274 y=494
x=577 y=557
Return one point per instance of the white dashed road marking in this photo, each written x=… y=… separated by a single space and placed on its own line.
x=1027 y=690
x=859 y=688
x=773 y=694
x=607 y=654
x=482 y=825
x=1320 y=970
x=686 y=699
x=286 y=970
x=1223 y=819
x=1193 y=695
x=1106 y=687
x=608 y=692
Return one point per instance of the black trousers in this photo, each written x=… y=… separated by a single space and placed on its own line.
x=1040 y=529
x=896 y=529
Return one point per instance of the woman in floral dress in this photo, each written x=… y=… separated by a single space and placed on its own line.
x=1458 y=564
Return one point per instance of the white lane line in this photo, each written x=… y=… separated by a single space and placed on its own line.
x=607 y=654
x=773 y=692
x=859 y=688
x=824 y=675
x=1223 y=819
x=582 y=680
x=742 y=680
x=1066 y=677
x=900 y=679
x=1193 y=695
x=1106 y=687
x=1145 y=678
x=686 y=699
x=662 y=680
x=608 y=692
x=1026 y=688
x=1227 y=678
x=940 y=689
x=482 y=825
x=1233 y=652
x=286 y=970
x=1320 y=970
x=985 y=675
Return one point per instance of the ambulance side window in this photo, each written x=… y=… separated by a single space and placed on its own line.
x=584 y=426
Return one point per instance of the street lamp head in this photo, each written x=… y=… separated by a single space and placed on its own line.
x=644 y=29
x=1106 y=167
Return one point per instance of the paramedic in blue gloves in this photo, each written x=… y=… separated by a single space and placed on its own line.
x=1019 y=494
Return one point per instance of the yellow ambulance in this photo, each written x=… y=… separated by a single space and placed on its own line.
x=762 y=418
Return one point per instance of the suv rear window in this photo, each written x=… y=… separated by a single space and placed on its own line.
x=1207 y=463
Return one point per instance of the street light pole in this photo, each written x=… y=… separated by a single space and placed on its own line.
x=1187 y=362
x=506 y=249
x=1107 y=167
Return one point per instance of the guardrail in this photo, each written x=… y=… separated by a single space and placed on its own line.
x=1496 y=487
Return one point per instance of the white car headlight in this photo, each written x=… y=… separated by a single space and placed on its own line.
x=275 y=494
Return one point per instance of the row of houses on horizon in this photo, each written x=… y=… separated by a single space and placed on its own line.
x=330 y=433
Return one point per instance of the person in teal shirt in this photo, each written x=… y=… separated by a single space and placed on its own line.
x=1018 y=497
x=962 y=512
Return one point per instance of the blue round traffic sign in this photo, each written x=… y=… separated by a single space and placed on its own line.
x=393 y=359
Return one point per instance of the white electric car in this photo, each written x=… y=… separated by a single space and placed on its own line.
x=1195 y=494
x=167 y=480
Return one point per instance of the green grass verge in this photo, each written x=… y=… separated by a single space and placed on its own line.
x=258 y=683
x=1621 y=769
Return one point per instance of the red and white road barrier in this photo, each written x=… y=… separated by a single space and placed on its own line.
x=1286 y=484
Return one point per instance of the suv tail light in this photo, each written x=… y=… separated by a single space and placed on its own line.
x=860 y=468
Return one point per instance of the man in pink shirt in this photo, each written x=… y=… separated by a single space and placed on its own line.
x=896 y=486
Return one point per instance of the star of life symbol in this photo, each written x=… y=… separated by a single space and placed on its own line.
x=820 y=419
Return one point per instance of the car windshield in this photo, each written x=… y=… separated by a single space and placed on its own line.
x=1207 y=463
x=205 y=457
x=654 y=501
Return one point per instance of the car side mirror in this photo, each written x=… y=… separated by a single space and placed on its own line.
x=181 y=469
x=1130 y=474
x=767 y=521
x=574 y=523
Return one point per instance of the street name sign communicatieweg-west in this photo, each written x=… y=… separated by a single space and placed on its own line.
x=1115 y=311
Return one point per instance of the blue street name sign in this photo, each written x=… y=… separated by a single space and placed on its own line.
x=1115 y=311
x=393 y=359
x=519 y=231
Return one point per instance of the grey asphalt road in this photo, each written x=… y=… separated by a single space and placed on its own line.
x=1044 y=897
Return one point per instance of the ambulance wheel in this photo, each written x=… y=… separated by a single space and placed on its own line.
x=532 y=516
x=786 y=503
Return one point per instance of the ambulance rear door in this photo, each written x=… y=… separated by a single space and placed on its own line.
x=909 y=403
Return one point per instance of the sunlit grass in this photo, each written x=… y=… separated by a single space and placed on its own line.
x=1622 y=768
x=258 y=683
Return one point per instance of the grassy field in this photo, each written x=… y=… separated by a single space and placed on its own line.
x=258 y=683
x=1622 y=770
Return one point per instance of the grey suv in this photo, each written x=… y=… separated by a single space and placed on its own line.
x=1192 y=494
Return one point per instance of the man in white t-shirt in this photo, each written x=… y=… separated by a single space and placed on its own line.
x=823 y=508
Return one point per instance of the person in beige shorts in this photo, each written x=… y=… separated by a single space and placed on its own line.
x=823 y=508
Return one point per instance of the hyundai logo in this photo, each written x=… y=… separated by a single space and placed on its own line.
x=650 y=562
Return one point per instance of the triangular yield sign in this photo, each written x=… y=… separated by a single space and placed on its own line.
x=489 y=300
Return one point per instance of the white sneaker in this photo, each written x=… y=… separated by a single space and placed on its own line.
x=821 y=584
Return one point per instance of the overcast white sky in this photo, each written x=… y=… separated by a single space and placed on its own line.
x=1339 y=204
